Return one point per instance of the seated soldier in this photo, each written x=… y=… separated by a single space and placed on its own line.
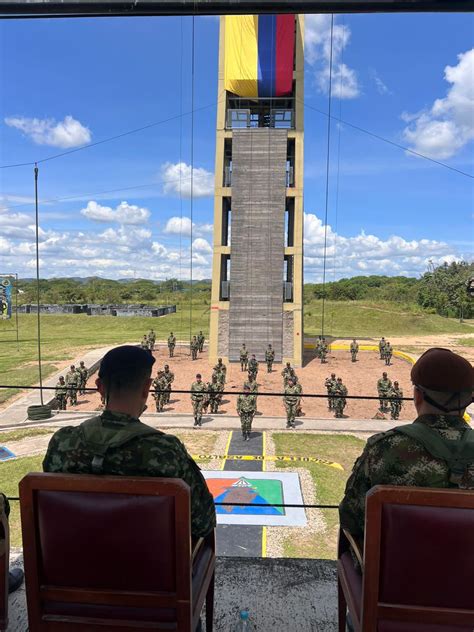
x=117 y=443
x=15 y=575
x=424 y=453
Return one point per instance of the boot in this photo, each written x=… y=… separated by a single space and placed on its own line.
x=195 y=422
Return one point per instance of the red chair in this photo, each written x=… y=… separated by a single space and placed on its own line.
x=111 y=553
x=4 y=561
x=418 y=563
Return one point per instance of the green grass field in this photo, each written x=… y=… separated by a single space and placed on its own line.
x=66 y=336
x=329 y=485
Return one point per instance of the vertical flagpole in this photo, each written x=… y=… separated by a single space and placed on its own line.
x=38 y=285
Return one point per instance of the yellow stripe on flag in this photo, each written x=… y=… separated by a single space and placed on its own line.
x=241 y=43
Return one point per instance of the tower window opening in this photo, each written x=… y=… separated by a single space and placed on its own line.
x=225 y=278
x=226 y=221
x=227 y=163
x=290 y=222
x=288 y=279
x=290 y=163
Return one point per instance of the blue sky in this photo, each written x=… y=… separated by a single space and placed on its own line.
x=65 y=83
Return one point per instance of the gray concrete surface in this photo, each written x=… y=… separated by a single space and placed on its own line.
x=284 y=595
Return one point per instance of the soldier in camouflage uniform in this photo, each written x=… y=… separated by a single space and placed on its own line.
x=169 y=377
x=83 y=374
x=244 y=358
x=246 y=408
x=61 y=393
x=72 y=383
x=354 y=350
x=287 y=373
x=382 y=344
x=144 y=343
x=396 y=403
x=387 y=354
x=340 y=393
x=383 y=387
x=299 y=388
x=220 y=371
x=215 y=389
x=269 y=358
x=290 y=400
x=171 y=344
x=197 y=398
x=194 y=348
x=330 y=384
x=151 y=340
x=323 y=351
x=253 y=367
x=200 y=339
x=117 y=443
x=159 y=385
x=317 y=348
x=420 y=454
x=253 y=386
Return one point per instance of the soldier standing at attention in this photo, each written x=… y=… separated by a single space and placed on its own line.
x=220 y=371
x=144 y=343
x=253 y=367
x=383 y=387
x=214 y=397
x=246 y=408
x=436 y=450
x=340 y=398
x=323 y=351
x=194 y=348
x=117 y=443
x=72 y=383
x=159 y=385
x=388 y=353
x=169 y=377
x=200 y=340
x=290 y=400
x=244 y=358
x=354 y=350
x=269 y=358
x=396 y=403
x=330 y=384
x=61 y=393
x=151 y=340
x=83 y=373
x=382 y=344
x=287 y=373
x=317 y=348
x=197 y=397
x=171 y=344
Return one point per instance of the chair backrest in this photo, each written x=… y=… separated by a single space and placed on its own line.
x=419 y=556
x=4 y=561
x=106 y=549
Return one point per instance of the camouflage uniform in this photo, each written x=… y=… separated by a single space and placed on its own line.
x=214 y=397
x=395 y=404
x=72 y=382
x=382 y=348
x=61 y=395
x=246 y=408
x=83 y=374
x=269 y=358
x=200 y=340
x=151 y=340
x=330 y=384
x=391 y=458
x=383 y=388
x=220 y=372
x=299 y=388
x=317 y=348
x=169 y=377
x=171 y=344
x=387 y=354
x=197 y=398
x=159 y=384
x=253 y=386
x=253 y=368
x=354 y=351
x=287 y=373
x=291 y=399
x=71 y=450
x=323 y=351
x=340 y=393
x=144 y=343
x=194 y=348
x=244 y=358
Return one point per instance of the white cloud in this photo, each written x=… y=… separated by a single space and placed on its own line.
x=202 y=246
x=176 y=178
x=65 y=134
x=177 y=225
x=124 y=213
x=381 y=86
x=345 y=84
x=448 y=125
x=369 y=254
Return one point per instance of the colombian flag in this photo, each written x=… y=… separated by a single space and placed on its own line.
x=259 y=55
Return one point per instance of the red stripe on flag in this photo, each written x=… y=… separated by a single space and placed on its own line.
x=285 y=50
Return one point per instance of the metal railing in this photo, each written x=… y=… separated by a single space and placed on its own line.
x=244 y=118
x=225 y=290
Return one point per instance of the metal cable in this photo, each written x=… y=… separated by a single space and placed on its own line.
x=191 y=208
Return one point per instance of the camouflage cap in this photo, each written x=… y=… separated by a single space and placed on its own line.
x=124 y=358
x=444 y=371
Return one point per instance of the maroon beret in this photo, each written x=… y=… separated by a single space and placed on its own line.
x=442 y=370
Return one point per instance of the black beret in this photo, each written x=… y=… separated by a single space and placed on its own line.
x=125 y=358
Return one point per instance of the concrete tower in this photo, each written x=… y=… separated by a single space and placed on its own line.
x=257 y=274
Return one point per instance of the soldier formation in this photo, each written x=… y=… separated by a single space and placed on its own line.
x=66 y=390
x=385 y=351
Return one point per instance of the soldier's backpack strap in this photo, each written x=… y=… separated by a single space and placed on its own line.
x=100 y=439
x=458 y=453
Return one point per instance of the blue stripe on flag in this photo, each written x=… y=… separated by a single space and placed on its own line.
x=266 y=55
